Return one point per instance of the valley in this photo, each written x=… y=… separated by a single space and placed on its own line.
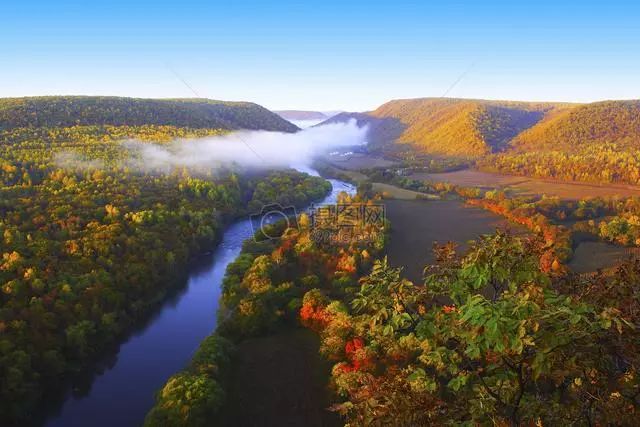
x=89 y=257
x=146 y=359
x=285 y=213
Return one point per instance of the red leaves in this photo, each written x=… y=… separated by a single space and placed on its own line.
x=549 y=263
x=491 y=356
x=449 y=309
x=554 y=236
x=286 y=244
x=315 y=318
x=546 y=261
x=359 y=358
x=346 y=263
x=353 y=345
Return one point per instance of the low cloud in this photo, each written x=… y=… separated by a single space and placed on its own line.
x=257 y=149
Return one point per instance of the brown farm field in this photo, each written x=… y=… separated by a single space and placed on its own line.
x=529 y=186
x=416 y=225
x=592 y=256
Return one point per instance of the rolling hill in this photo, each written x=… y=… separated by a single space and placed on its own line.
x=66 y=111
x=597 y=142
x=454 y=127
x=600 y=122
x=473 y=128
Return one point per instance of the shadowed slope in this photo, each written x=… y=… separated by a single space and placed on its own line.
x=65 y=111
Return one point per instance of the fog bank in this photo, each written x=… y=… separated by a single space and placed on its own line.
x=257 y=149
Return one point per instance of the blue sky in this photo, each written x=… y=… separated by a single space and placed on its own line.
x=324 y=55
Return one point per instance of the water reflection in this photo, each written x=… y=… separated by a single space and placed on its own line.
x=120 y=388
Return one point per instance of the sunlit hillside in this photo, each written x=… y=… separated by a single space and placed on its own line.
x=457 y=127
x=600 y=122
x=596 y=142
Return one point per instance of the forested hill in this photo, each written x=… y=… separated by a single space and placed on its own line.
x=597 y=142
x=65 y=111
x=473 y=128
x=458 y=127
x=462 y=126
x=600 y=122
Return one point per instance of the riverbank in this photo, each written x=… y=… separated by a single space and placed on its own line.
x=387 y=191
x=260 y=299
x=119 y=388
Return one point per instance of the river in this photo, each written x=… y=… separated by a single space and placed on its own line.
x=122 y=394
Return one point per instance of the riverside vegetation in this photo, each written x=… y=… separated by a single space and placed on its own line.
x=89 y=242
x=491 y=336
x=503 y=333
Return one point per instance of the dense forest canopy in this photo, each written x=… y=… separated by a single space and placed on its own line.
x=470 y=128
x=89 y=242
x=263 y=293
x=65 y=111
x=461 y=127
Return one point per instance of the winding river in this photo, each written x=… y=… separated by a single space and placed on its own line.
x=122 y=393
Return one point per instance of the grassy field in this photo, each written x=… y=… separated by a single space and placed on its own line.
x=422 y=222
x=357 y=161
x=417 y=224
x=392 y=192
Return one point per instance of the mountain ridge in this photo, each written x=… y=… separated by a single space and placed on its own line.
x=66 y=111
x=473 y=128
x=597 y=122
